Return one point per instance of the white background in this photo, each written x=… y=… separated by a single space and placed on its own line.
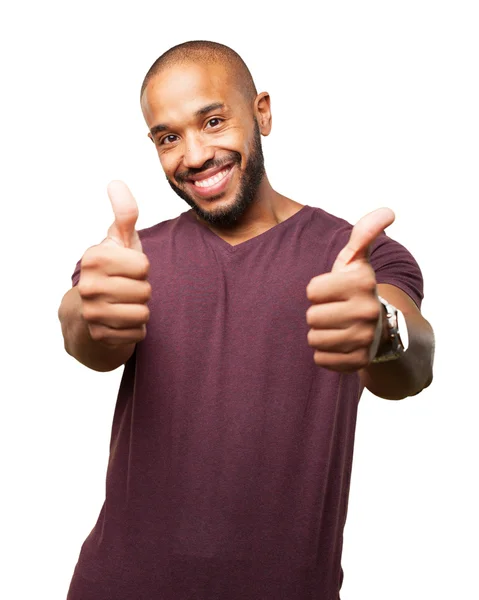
x=374 y=103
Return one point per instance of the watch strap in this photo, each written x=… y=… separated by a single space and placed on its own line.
x=394 y=348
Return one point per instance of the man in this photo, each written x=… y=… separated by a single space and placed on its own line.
x=247 y=327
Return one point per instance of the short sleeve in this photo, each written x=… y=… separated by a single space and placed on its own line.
x=391 y=261
x=394 y=264
x=76 y=274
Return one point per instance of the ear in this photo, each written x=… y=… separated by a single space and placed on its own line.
x=262 y=109
x=151 y=137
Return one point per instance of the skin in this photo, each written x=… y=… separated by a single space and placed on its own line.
x=202 y=125
x=189 y=141
x=105 y=315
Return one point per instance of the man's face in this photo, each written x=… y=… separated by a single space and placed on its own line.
x=207 y=139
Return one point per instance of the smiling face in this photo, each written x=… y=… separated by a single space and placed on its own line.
x=208 y=138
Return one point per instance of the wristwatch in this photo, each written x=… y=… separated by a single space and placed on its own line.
x=398 y=334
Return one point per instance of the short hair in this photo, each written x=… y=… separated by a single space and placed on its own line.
x=201 y=51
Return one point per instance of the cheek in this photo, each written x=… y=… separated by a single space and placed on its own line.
x=169 y=163
x=234 y=139
x=246 y=146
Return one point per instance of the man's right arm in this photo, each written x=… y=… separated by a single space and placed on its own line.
x=104 y=316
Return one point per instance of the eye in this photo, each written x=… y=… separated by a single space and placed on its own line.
x=168 y=139
x=214 y=122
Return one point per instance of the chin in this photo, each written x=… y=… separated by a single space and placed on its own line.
x=223 y=213
x=216 y=203
x=226 y=211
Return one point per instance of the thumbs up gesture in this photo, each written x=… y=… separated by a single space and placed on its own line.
x=113 y=284
x=345 y=316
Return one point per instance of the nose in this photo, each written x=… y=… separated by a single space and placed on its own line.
x=196 y=152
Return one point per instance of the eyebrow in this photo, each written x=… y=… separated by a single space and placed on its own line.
x=199 y=113
x=208 y=108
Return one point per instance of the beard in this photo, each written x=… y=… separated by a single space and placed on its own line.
x=254 y=172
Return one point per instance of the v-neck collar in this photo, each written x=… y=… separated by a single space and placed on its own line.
x=230 y=248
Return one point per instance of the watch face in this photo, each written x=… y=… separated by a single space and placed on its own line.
x=402 y=329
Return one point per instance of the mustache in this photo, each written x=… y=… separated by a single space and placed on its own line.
x=233 y=157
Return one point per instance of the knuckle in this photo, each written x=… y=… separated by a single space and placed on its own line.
x=348 y=346
x=319 y=359
x=89 y=313
x=144 y=314
x=369 y=281
x=362 y=359
x=355 y=276
x=138 y=316
x=144 y=265
x=94 y=257
x=310 y=319
x=312 y=338
x=311 y=289
x=86 y=287
x=354 y=361
x=97 y=333
x=141 y=334
x=148 y=292
x=363 y=337
x=88 y=258
x=363 y=278
x=372 y=311
x=366 y=338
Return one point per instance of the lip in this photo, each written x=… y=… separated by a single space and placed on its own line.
x=209 y=173
x=215 y=189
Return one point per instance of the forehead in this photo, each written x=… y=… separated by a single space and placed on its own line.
x=177 y=92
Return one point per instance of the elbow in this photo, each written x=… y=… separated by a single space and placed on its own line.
x=397 y=386
x=425 y=385
x=416 y=389
x=429 y=380
x=389 y=394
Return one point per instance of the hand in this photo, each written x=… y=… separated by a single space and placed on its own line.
x=345 y=316
x=113 y=284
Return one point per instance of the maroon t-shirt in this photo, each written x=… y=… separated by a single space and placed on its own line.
x=231 y=450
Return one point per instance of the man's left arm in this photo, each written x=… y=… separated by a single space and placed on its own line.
x=412 y=371
x=348 y=324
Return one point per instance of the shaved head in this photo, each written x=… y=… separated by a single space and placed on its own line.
x=204 y=52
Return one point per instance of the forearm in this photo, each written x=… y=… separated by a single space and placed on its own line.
x=409 y=374
x=78 y=342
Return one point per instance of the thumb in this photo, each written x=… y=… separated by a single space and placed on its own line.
x=125 y=209
x=362 y=236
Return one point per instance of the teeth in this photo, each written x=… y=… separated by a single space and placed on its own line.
x=204 y=183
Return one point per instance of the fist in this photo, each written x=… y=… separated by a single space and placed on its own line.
x=345 y=317
x=113 y=285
